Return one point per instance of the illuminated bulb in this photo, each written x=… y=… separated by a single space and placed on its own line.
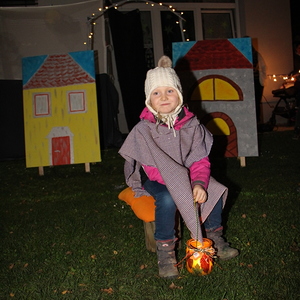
x=84 y=43
x=93 y=14
x=116 y=7
x=94 y=23
x=173 y=9
x=177 y=22
x=106 y=7
x=274 y=75
x=152 y=4
x=90 y=36
x=160 y=4
x=184 y=30
x=275 y=79
x=187 y=40
x=182 y=13
x=170 y=6
x=100 y=9
x=91 y=33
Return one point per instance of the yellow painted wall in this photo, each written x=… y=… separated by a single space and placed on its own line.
x=84 y=126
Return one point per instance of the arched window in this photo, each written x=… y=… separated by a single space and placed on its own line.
x=216 y=88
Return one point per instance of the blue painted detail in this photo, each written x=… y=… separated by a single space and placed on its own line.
x=244 y=46
x=30 y=65
x=181 y=49
x=86 y=60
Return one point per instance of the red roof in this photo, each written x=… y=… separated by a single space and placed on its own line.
x=58 y=70
x=216 y=54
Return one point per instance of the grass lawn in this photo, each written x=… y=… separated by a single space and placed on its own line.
x=65 y=235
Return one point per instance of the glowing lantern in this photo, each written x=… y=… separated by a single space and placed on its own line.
x=199 y=256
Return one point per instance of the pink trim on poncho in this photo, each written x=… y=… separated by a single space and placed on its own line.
x=199 y=171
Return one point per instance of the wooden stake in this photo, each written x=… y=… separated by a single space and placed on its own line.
x=242 y=161
x=87 y=167
x=41 y=171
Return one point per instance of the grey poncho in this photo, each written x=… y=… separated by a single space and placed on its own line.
x=155 y=145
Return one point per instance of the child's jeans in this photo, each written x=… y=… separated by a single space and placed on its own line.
x=164 y=212
x=166 y=209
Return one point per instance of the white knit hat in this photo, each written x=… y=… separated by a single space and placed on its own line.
x=163 y=75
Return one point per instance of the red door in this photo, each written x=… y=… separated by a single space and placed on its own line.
x=61 y=150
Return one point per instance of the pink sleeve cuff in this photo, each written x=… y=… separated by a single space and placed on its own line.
x=200 y=172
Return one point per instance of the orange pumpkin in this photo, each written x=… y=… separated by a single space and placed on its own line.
x=199 y=256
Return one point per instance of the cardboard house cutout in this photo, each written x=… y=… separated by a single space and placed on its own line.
x=217 y=79
x=60 y=109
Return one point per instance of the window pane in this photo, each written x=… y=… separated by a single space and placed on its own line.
x=217 y=25
x=77 y=102
x=41 y=105
x=148 y=38
x=172 y=32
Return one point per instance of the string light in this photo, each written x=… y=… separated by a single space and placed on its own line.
x=284 y=77
x=91 y=20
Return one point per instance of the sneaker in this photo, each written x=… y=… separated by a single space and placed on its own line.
x=224 y=251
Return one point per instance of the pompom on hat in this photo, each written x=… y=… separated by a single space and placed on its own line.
x=163 y=75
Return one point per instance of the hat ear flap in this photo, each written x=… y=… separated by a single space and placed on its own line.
x=164 y=62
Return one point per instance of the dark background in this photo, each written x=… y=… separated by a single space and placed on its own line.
x=12 y=144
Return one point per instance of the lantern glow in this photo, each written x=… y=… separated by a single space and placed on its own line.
x=199 y=257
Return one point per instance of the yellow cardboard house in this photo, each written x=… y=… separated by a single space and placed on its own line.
x=60 y=109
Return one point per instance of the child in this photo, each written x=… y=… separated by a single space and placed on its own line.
x=166 y=156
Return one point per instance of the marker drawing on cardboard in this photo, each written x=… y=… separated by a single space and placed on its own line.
x=60 y=109
x=217 y=78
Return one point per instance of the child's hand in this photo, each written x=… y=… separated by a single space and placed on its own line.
x=199 y=194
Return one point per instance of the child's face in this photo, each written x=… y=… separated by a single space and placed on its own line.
x=164 y=99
